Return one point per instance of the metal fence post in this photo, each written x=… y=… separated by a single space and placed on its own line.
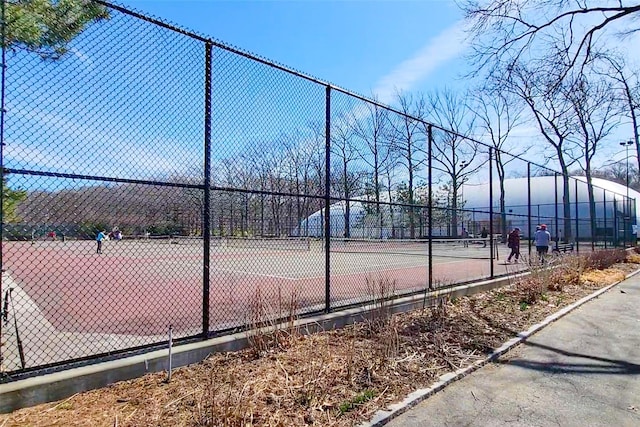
x=555 y=182
x=2 y=95
x=491 y=240
x=604 y=210
x=430 y=206
x=206 y=227
x=577 y=222
x=633 y=217
x=327 y=201
x=616 y=226
x=529 y=227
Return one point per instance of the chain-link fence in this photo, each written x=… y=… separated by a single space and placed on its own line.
x=157 y=179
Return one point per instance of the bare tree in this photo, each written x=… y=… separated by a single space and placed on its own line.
x=346 y=179
x=595 y=113
x=627 y=86
x=191 y=200
x=453 y=152
x=371 y=127
x=507 y=32
x=498 y=113
x=389 y=173
x=407 y=143
x=261 y=159
x=318 y=166
x=617 y=172
x=553 y=114
x=299 y=149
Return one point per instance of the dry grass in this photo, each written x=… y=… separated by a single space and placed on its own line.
x=333 y=378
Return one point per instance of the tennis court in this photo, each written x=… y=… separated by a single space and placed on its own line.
x=131 y=293
x=139 y=286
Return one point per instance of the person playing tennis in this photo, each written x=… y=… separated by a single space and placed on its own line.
x=102 y=236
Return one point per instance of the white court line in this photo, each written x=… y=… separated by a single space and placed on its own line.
x=372 y=269
x=273 y=276
x=392 y=269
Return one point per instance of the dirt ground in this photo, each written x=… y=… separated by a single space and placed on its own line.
x=334 y=378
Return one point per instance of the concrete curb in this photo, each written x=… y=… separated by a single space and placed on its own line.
x=382 y=417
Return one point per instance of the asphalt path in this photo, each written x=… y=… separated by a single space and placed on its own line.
x=582 y=370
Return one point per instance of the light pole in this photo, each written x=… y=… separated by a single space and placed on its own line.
x=627 y=205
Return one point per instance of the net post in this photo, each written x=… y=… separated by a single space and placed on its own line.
x=616 y=225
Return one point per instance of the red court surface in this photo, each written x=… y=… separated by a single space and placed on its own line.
x=138 y=289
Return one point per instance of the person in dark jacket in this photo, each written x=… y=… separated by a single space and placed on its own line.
x=484 y=234
x=513 y=241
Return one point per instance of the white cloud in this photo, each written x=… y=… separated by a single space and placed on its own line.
x=85 y=59
x=91 y=150
x=446 y=46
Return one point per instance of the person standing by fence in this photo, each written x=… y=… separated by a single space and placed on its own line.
x=513 y=242
x=542 y=239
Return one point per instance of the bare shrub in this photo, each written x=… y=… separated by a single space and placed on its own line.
x=351 y=355
x=389 y=340
x=289 y=310
x=438 y=282
x=310 y=390
x=381 y=290
x=380 y=321
x=439 y=311
x=599 y=260
x=271 y=326
x=567 y=272
x=530 y=289
x=258 y=337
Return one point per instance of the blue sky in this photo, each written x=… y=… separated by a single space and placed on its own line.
x=129 y=95
x=364 y=46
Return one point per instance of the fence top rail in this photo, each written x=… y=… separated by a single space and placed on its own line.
x=217 y=43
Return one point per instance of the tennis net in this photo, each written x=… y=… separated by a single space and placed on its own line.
x=247 y=243
x=451 y=247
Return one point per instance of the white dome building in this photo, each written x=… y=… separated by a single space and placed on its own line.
x=614 y=220
x=614 y=217
x=362 y=224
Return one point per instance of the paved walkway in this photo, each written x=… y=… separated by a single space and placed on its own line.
x=582 y=370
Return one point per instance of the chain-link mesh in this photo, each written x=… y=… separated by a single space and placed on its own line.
x=155 y=179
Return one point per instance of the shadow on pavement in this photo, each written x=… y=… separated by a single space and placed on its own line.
x=607 y=366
